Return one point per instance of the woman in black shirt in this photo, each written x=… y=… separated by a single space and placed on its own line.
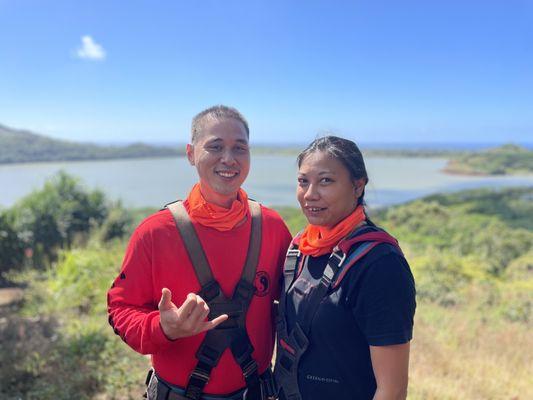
x=346 y=316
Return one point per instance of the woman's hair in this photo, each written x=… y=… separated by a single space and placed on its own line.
x=343 y=150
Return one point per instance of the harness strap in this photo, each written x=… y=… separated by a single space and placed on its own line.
x=334 y=265
x=290 y=267
x=231 y=333
x=254 y=246
x=376 y=236
x=362 y=250
x=192 y=243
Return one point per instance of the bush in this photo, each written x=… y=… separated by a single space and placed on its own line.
x=117 y=224
x=516 y=301
x=11 y=246
x=440 y=277
x=56 y=216
x=71 y=352
x=40 y=360
x=521 y=268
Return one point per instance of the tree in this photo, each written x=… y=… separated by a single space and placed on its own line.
x=11 y=246
x=54 y=216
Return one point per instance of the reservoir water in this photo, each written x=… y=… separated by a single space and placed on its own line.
x=272 y=180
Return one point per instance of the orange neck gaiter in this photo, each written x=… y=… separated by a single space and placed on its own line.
x=318 y=240
x=213 y=216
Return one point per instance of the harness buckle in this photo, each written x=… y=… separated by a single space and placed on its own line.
x=335 y=254
x=210 y=291
x=293 y=253
x=249 y=369
x=338 y=258
x=291 y=262
x=207 y=355
x=200 y=374
x=244 y=290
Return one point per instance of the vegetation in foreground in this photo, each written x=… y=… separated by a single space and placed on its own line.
x=470 y=253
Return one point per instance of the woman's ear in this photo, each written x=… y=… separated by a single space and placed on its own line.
x=359 y=187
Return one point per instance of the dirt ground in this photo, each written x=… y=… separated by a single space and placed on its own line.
x=10 y=296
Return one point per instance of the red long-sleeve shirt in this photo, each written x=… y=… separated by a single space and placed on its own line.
x=156 y=258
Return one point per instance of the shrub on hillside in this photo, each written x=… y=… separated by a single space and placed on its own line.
x=77 y=285
x=80 y=356
x=41 y=360
x=516 y=300
x=497 y=244
x=117 y=224
x=53 y=217
x=58 y=216
x=11 y=246
x=440 y=276
x=521 y=268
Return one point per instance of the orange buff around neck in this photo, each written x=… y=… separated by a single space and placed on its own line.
x=217 y=217
x=318 y=240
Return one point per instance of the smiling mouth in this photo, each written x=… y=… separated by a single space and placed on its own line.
x=315 y=209
x=227 y=174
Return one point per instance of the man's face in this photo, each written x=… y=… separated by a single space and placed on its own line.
x=221 y=155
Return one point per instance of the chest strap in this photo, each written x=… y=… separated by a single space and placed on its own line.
x=342 y=259
x=231 y=333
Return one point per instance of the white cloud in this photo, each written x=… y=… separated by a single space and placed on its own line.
x=90 y=50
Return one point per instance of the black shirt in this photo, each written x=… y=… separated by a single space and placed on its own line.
x=373 y=305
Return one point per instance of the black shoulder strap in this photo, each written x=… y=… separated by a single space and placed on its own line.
x=192 y=243
x=290 y=267
x=254 y=246
x=319 y=292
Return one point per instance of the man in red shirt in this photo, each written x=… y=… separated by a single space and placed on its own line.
x=154 y=304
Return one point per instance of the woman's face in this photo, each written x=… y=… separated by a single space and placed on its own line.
x=326 y=192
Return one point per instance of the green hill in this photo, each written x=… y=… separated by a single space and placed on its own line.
x=503 y=160
x=19 y=146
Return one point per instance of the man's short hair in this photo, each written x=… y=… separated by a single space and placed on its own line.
x=215 y=113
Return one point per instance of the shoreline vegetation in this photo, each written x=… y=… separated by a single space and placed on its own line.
x=470 y=252
x=21 y=146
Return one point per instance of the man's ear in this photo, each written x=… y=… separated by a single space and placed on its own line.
x=189 y=149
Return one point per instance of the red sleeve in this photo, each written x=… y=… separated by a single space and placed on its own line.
x=132 y=305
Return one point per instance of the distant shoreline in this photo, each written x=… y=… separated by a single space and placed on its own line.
x=24 y=147
x=90 y=159
x=453 y=165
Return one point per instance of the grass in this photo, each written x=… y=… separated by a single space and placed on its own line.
x=460 y=354
x=470 y=254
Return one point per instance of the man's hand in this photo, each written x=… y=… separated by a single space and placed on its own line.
x=187 y=320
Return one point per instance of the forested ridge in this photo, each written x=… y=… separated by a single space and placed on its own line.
x=20 y=146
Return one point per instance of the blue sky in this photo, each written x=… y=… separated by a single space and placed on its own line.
x=374 y=71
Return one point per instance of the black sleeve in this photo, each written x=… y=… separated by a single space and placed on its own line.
x=384 y=305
